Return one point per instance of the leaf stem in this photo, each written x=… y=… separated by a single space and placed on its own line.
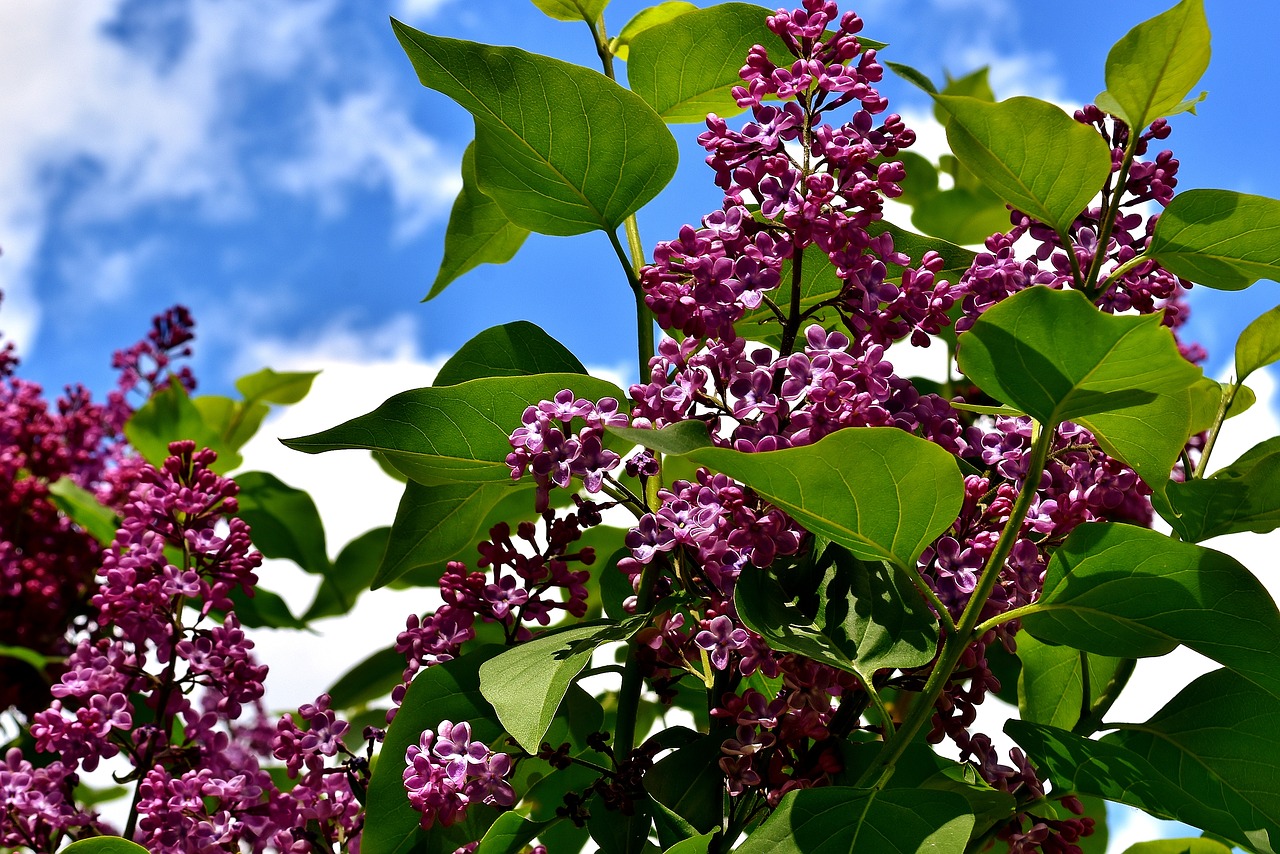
x=1092 y=722
x=1117 y=273
x=954 y=645
x=1224 y=404
x=1109 y=217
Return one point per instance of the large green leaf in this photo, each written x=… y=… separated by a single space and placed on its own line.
x=687 y=67
x=435 y=524
x=84 y=508
x=526 y=683
x=350 y=575
x=1051 y=682
x=1244 y=496
x=1031 y=153
x=562 y=150
x=1219 y=733
x=1154 y=66
x=1131 y=592
x=689 y=782
x=859 y=616
x=448 y=691
x=572 y=10
x=620 y=45
x=1259 y=344
x=478 y=231
x=1076 y=764
x=170 y=416
x=456 y=434
x=1210 y=758
x=284 y=521
x=880 y=492
x=1219 y=238
x=839 y=820
x=514 y=349
x=105 y=845
x=1122 y=377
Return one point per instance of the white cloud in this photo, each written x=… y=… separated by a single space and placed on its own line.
x=411 y=10
x=138 y=130
x=365 y=139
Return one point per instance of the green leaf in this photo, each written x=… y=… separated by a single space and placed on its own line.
x=456 y=434
x=878 y=491
x=1051 y=682
x=511 y=350
x=270 y=386
x=616 y=833
x=1188 y=845
x=561 y=149
x=620 y=45
x=1151 y=70
x=264 y=609
x=372 y=678
x=105 y=845
x=1075 y=763
x=689 y=782
x=350 y=575
x=1030 y=153
x=573 y=10
x=284 y=521
x=1209 y=758
x=1218 y=733
x=688 y=66
x=1259 y=344
x=170 y=416
x=435 y=524
x=1219 y=238
x=914 y=76
x=478 y=231
x=857 y=616
x=975 y=84
x=448 y=691
x=234 y=421
x=1244 y=496
x=1131 y=592
x=510 y=834
x=1122 y=377
x=82 y=507
x=37 y=660
x=526 y=683
x=839 y=820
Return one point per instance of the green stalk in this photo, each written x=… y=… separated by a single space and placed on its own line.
x=1224 y=404
x=953 y=647
x=1109 y=217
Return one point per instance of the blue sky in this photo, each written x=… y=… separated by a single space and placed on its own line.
x=276 y=166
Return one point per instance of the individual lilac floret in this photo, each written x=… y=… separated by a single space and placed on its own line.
x=446 y=772
x=719 y=638
x=546 y=446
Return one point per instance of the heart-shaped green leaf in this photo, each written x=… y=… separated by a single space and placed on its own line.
x=1219 y=238
x=478 y=231
x=1031 y=153
x=563 y=150
x=1122 y=377
x=514 y=349
x=456 y=434
x=1151 y=70
x=880 y=492
x=1132 y=593
x=839 y=820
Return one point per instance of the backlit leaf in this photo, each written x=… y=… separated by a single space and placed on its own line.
x=1259 y=344
x=651 y=16
x=1151 y=70
x=562 y=149
x=1219 y=238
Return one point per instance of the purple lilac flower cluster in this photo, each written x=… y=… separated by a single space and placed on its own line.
x=794 y=182
x=447 y=771
x=165 y=679
x=47 y=562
